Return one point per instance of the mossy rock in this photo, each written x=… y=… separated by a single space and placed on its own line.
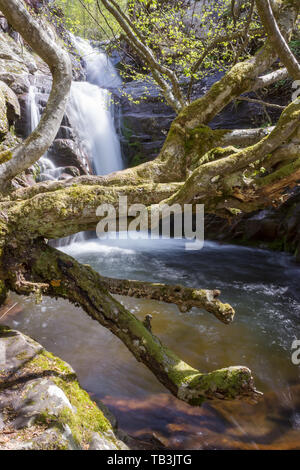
x=47 y=409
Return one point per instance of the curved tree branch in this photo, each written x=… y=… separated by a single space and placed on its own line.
x=172 y=93
x=58 y=60
x=279 y=43
x=184 y=297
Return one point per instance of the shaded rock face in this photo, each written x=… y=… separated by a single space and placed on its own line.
x=42 y=405
x=146 y=124
x=275 y=228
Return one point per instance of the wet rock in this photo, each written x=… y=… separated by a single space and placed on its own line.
x=42 y=406
x=276 y=228
x=65 y=152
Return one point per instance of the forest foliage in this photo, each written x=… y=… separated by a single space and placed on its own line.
x=78 y=19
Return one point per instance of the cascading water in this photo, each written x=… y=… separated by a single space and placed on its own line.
x=91 y=110
x=47 y=168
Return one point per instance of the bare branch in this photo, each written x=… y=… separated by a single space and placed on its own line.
x=185 y=297
x=262 y=103
x=279 y=43
x=270 y=79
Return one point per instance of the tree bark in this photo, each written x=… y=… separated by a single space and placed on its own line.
x=58 y=60
x=279 y=43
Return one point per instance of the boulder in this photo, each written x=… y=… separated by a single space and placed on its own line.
x=42 y=406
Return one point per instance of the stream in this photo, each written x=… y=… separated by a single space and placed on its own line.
x=262 y=286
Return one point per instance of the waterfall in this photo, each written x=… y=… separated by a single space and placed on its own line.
x=91 y=110
x=91 y=113
x=48 y=170
x=99 y=69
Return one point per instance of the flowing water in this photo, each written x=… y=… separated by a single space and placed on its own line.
x=91 y=109
x=91 y=113
x=264 y=289
x=47 y=167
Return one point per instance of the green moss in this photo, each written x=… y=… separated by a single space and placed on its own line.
x=281 y=173
x=229 y=381
x=3 y=292
x=5 y=156
x=86 y=418
x=201 y=145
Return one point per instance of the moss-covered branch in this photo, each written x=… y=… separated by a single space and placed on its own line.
x=220 y=178
x=81 y=285
x=185 y=297
x=73 y=209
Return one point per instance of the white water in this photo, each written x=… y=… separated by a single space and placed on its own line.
x=91 y=110
x=46 y=165
x=99 y=69
x=91 y=113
